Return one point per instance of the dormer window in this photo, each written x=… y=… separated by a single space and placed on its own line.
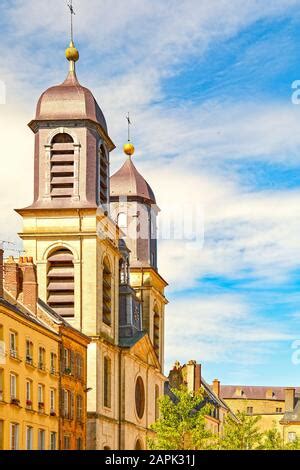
x=62 y=167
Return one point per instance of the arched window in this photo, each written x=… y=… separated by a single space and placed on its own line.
x=139 y=445
x=107 y=382
x=122 y=220
x=60 y=285
x=104 y=176
x=156 y=332
x=62 y=166
x=107 y=292
x=156 y=402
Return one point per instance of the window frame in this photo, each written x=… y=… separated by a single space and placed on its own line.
x=16 y=435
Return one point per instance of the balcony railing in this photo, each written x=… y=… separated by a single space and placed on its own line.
x=14 y=353
x=15 y=401
x=29 y=404
x=29 y=360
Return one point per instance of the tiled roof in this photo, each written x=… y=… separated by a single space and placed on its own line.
x=254 y=392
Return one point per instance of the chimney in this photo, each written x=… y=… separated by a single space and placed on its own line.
x=11 y=277
x=216 y=387
x=30 y=286
x=197 y=377
x=289 y=399
x=1 y=271
x=193 y=376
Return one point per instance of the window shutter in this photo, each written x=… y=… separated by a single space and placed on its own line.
x=72 y=405
x=62 y=359
x=62 y=402
x=72 y=362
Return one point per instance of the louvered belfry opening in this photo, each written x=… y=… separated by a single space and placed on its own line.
x=106 y=293
x=61 y=282
x=62 y=166
x=104 y=177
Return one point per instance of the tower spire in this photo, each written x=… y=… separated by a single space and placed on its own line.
x=72 y=53
x=129 y=147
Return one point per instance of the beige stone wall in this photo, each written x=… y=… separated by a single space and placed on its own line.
x=264 y=408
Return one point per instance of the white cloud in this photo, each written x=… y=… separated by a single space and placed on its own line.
x=229 y=331
x=248 y=235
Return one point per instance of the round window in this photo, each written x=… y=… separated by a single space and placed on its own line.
x=140 y=397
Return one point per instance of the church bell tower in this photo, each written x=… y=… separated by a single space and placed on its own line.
x=134 y=208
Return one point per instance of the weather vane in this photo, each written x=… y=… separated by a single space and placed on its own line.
x=129 y=147
x=129 y=124
x=71 y=8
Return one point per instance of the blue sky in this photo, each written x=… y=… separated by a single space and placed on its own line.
x=208 y=85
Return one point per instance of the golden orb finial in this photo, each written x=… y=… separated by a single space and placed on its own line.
x=72 y=53
x=129 y=149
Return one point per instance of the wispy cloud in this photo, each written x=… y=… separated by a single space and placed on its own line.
x=220 y=329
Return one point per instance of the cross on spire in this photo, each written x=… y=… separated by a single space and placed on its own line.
x=129 y=124
x=72 y=12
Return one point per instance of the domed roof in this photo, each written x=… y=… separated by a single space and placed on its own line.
x=128 y=182
x=69 y=100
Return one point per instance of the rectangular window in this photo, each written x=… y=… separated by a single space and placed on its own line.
x=13 y=344
x=13 y=387
x=41 y=439
x=1 y=385
x=42 y=354
x=278 y=410
x=292 y=436
x=53 y=359
x=1 y=434
x=29 y=438
x=2 y=346
x=66 y=403
x=28 y=393
x=14 y=436
x=67 y=442
x=107 y=382
x=79 y=366
x=29 y=352
x=79 y=443
x=250 y=410
x=67 y=367
x=53 y=441
x=41 y=397
x=52 y=401
x=79 y=407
